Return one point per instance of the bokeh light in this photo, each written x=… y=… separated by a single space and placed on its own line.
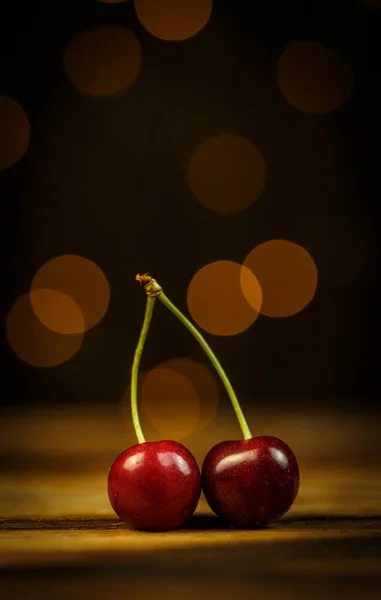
x=103 y=61
x=313 y=78
x=14 y=132
x=80 y=279
x=226 y=173
x=287 y=275
x=216 y=301
x=169 y=402
x=170 y=406
x=173 y=20
x=57 y=311
x=205 y=383
x=35 y=344
x=372 y=3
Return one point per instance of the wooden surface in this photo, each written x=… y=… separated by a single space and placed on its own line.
x=60 y=539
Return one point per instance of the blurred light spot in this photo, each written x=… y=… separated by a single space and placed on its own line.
x=372 y=3
x=226 y=173
x=14 y=132
x=204 y=381
x=173 y=19
x=57 y=311
x=79 y=278
x=287 y=275
x=313 y=78
x=103 y=61
x=35 y=344
x=216 y=302
x=169 y=402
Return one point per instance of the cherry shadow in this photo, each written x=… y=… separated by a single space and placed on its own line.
x=209 y=522
x=198 y=522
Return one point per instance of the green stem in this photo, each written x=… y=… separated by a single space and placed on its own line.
x=135 y=368
x=215 y=362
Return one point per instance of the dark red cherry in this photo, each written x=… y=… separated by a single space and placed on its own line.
x=250 y=482
x=154 y=485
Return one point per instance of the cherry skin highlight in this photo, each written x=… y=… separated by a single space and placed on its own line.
x=250 y=482
x=154 y=485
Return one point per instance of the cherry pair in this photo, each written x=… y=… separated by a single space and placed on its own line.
x=157 y=485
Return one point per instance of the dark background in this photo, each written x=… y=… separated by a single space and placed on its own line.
x=104 y=178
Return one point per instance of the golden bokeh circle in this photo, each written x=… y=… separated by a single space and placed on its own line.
x=14 y=132
x=204 y=381
x=202 y=400
x=79 y=278
x=57 y=311
x=226 y=173
x=372 y=3
x=103 y=61
x=287 y=275
x=313 y=78
x=216 y=300
x=169 y=402
x=173 y=20
x=35 y=344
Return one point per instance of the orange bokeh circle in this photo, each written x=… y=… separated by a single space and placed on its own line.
x=80 y=279
x=57 y=311
x=205 y=383
x=313 y=78
x=169 y=402
x=372 y=3
x=173 y=20
x=226 y=173
x=287 y=275
x=35 y=344
x=14 y=132
x=216 y=300
x=103 y=61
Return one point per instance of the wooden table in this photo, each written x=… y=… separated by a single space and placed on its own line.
x=59 y=538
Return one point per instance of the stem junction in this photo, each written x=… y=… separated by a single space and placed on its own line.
x=153 y=291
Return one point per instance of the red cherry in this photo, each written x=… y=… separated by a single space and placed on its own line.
x=154 y=485
x=250 y=482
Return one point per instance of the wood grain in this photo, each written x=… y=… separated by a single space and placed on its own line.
x=60 y=539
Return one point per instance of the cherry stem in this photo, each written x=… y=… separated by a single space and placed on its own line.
x=135 y=368
x=153 y=290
